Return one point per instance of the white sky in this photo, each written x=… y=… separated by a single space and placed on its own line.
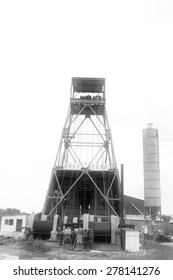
x=44 y=44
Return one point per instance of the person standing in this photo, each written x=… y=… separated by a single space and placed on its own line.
x=85 y=238
x=91 y=237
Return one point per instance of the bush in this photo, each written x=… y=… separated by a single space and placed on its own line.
x=35 y=245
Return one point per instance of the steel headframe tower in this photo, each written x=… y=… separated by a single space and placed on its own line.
x=84 y=178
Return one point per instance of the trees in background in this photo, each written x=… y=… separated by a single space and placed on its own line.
x=10 y=211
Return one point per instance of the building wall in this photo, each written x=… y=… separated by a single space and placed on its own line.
x=167 y=227
x=13 y=223
x=136 y=220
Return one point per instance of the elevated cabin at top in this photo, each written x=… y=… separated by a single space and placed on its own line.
x=89 y=91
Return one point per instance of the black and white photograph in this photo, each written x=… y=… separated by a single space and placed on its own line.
x=86 y=135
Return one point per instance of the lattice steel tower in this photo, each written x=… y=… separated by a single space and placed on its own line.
x=84 y=178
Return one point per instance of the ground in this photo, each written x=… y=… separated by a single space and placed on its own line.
x=11 y=248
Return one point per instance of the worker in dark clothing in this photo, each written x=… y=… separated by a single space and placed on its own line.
x=91 y=237
x=60 y=236
x=73 y=236
x=85 y=238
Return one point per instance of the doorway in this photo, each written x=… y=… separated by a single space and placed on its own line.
x=19 y=225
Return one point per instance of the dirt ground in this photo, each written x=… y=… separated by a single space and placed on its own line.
x=19 y=249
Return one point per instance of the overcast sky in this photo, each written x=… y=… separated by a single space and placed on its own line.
x=44 y=44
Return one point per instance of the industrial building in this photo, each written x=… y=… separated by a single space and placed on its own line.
x=134 y=211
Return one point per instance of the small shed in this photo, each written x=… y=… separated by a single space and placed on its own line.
x=14 y=223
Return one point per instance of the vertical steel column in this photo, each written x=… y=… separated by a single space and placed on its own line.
x=122 y=233
x=122 y=192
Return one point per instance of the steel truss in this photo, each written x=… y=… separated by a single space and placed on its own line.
x=85 y=177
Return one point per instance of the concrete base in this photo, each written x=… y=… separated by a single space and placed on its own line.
x=114 y=228
x=53 y=235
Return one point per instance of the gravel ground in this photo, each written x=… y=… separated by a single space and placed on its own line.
x=17 y=249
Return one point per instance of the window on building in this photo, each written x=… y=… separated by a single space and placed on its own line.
x=9 y=222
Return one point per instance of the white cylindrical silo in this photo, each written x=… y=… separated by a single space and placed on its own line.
x=152 y=201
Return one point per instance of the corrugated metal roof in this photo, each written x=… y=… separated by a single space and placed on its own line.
x=131 y=205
